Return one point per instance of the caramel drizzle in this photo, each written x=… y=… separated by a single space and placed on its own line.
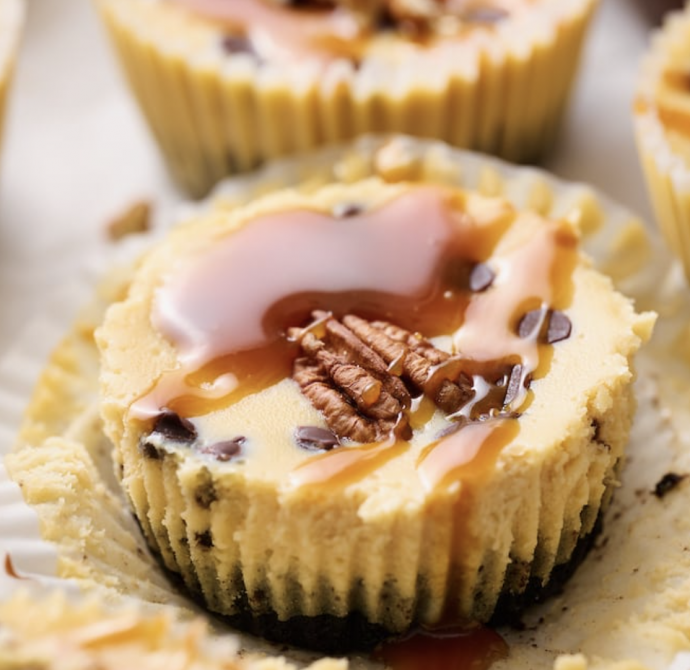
x=424 y=231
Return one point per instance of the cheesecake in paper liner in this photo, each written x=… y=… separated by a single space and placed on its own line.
x=587 y=618
x=227 y=86
x=662 y=129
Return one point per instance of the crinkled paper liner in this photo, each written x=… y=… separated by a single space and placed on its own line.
x=214 y=114
x=626 y=607
x=666 y=172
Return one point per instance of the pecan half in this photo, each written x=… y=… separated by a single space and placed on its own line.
x=357 y=373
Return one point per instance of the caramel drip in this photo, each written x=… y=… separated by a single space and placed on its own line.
x=534 y=276
x=475 y=648
x=346 y=465
x=467 y=455
x=281 y=32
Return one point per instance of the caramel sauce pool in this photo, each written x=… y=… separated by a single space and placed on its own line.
x=460 y=649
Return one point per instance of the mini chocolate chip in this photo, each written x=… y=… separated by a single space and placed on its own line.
x=224 y=451
x=530 y=324
x=204 y=539
x=345 y=210
x=321 y=5
x=172 y=426
x=314 y=438
x=485 y=15
x=205 y=495
x=559 y=327
x=667 y=483
x=513 y=385
x=596 y=430
x=149 y=450
x=238 y=44
x=481 y=277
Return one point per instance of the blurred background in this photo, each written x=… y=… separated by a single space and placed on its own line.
x=76 y=152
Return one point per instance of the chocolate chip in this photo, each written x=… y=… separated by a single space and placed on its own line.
x=481 y=277
x=224 y=451
x=559 y=327
x=205 y=495
x=310 y=4
x=149 y=450
x=238 y=44
x=172 y=426
x=514 y=383
x=204 y=539
x=345 y=210
x=667 y=483
x=314 y=438
x=530 y=324
x=596 y=430
x=485 y=15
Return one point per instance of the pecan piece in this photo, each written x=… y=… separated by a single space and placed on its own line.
x=353 y=373
x=335 y=403
x=430 y=371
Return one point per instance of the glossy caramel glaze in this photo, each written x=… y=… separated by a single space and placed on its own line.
x=409 y=262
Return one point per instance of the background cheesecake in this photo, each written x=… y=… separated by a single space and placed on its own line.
x=226 y=86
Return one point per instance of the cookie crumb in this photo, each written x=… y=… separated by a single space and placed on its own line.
x=667 y=483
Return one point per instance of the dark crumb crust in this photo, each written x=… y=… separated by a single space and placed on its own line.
x=333 y=635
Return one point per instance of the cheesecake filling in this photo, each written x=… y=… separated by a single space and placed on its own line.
x=271 y=29
x=383 y=316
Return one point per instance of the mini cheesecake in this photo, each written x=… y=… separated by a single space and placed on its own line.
x=662 y=128
x=226 y=86
x=344 y=413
